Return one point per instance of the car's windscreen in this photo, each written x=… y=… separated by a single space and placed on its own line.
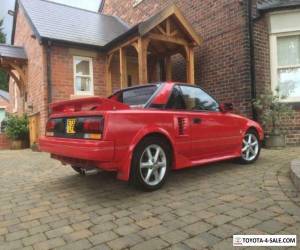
x=136 y=96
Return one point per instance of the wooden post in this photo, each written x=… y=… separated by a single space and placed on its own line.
x=168 y=67
x=142 y=58
x=123 y=68
x=108 y=75
x=190 y=65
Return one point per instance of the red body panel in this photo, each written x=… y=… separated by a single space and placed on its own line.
x=218 y=137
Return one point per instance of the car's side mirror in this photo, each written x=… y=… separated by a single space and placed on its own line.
x=226 y=107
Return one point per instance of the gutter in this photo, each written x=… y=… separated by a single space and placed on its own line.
x=48 y=63
x=251 y=54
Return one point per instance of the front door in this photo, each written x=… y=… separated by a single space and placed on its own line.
x=213 y=133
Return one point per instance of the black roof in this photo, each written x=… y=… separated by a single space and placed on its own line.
x=64 y=23
x=13 y=52
x=267 y=5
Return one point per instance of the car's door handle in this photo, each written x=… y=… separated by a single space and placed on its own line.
x=197 y=120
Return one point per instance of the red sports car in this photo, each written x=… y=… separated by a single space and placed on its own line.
x=144 y=132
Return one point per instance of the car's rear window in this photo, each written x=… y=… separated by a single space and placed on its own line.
x=136 y=96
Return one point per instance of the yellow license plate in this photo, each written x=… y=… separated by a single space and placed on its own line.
x=70 y=128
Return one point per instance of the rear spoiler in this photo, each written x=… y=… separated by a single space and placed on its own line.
x=86 y=104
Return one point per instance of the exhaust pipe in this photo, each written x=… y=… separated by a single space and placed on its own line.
x=92 y=171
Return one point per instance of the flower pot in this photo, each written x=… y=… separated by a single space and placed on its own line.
x=16 y=144
x=275 y=141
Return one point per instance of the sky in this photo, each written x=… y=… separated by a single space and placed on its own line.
x=6 y=5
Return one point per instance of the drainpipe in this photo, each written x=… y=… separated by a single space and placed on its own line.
x=48 y=58
x=251 y=54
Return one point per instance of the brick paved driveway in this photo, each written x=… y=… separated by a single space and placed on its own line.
x=45 y=205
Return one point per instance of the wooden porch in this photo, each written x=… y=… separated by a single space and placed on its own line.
x=144 y=53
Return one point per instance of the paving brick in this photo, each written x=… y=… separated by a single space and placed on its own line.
x=103 y=237
x=59 y=231
x=126 y=241
x=16 y=235
x=49 y=244
x=77 y=245
x=127 y=229
x=218 y=219
x=154 y=244
x=102 y=227
x=245 y=222
x=271 y=226
x=197 y=228
x=149 y=222
x=34 y=239
x=154 y=231
x=174 y=236
x=78 y=235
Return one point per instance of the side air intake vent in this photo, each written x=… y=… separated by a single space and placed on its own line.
x=182 y=125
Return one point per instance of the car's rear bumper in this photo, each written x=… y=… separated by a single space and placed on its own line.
x=92 y=150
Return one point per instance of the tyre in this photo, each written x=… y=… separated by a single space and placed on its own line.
x=250 y=147
x=151 y=163
x=78 y=170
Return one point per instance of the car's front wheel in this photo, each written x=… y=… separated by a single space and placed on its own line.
x=151 y=163
x=250 y=147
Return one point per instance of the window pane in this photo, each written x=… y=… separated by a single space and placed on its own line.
x=138 y=96
x=197 y=99
x=83 y=83
x=289 y=82
x=288 y=50
x=176 y=100
x=82 y=67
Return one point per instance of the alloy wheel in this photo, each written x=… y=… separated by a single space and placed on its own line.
x=153 y=165
x=250 y=147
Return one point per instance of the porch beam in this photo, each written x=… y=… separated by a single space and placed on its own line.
x=190 y=65
x=168 y=64
x=123 y=68
x=108 y=74
x=125 y=44
x=168 y=39
x=142 y=59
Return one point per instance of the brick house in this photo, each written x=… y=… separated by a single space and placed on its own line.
x=235 y=49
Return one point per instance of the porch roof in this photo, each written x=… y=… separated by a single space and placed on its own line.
x=144 y=27
x=12 y=52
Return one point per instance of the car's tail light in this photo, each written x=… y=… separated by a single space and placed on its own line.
x=90 y=127
x=50 y=126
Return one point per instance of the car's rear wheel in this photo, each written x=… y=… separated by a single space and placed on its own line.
x=250 y=147
x=78 y=170
x=151 y=163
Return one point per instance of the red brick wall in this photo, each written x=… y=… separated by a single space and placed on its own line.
x=222 y=61
x=36 y=68
x=4 y=142
x=62 y=72
x=291 y=126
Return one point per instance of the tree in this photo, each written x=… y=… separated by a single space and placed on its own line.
x=3 y=74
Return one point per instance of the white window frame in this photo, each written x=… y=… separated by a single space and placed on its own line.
x=274 y=63
x=91 y=75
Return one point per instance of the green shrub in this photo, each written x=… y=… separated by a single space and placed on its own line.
x=272 y=111
x=17 y=127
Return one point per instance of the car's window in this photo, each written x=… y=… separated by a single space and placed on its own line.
x=136 y=96
x=176 y=100
x=196 y=99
